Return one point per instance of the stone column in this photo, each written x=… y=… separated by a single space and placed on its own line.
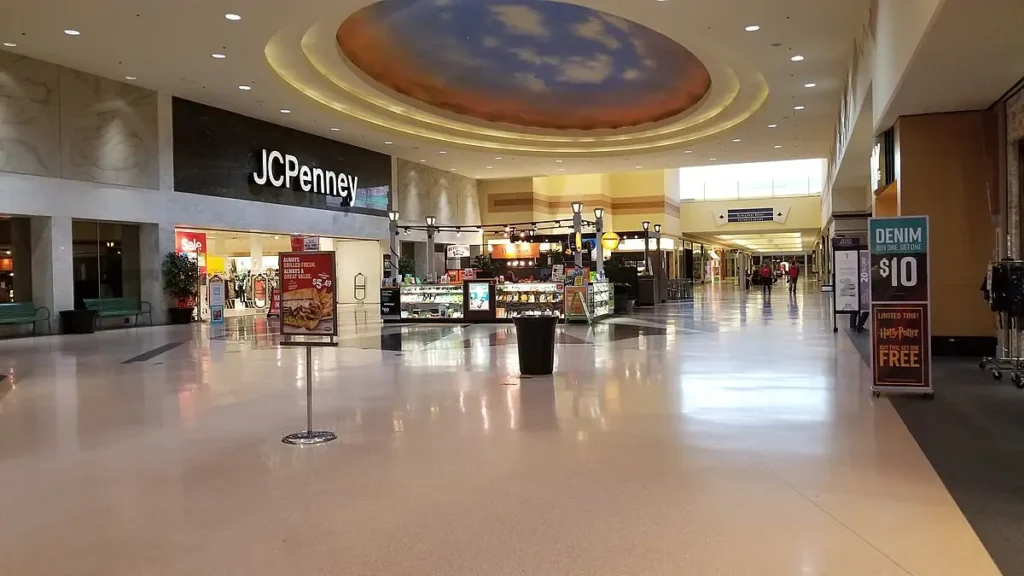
x=53 y=278
x=256 y=253
x=155 y=241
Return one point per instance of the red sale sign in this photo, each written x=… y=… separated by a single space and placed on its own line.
x=190 y=242
x=308 y=294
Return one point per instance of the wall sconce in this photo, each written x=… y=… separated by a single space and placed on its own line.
x=577 y=207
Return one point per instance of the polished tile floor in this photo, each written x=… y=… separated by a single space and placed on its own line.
x=726 y=436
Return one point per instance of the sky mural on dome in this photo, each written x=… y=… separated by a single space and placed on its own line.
x=530 y=63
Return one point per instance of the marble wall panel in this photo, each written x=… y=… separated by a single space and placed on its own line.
x=29 y=116
x=424 y=191
x=108 y=131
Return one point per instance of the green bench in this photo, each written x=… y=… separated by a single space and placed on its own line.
x=118 y=308
x=24 y=313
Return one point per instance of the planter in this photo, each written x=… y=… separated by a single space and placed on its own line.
x=180 y=315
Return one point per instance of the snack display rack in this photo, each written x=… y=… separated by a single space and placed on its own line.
x=431 y=301
x=601 y=299
x=530 y=299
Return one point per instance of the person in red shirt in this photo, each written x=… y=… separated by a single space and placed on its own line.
x=794 y=274
x=766 y=279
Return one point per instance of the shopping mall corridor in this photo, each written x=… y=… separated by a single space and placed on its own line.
x=728 y=435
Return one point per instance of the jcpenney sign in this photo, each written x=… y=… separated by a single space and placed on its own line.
x=284 y=171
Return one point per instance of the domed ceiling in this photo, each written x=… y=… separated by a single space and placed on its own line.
x=529 y=63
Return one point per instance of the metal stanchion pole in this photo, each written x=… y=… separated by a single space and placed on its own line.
x=309 y=390
x=309 y=436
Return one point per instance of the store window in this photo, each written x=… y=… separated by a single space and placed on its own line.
x=106 y=260
x=15 y=260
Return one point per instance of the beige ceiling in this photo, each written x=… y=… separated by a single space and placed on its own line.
x=279 y=50
x=771 y=243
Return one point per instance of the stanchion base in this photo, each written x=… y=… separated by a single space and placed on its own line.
x=309 y=437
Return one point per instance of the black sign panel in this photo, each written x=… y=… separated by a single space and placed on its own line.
x=217 y=153
x=390 y=298
x=900 y=339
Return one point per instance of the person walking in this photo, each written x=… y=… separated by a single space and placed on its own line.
x=766 y=279
x=794 y=274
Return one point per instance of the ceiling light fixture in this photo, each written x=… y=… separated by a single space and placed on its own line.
x=334 y=129
x=736 y=140
x=388 y=142
x=72 y=32
x=712 y=159
x=810 y=85
x=797 y=58
x=752 y=28
x=798 y=107
x=489 y=167
x=497 y=157
x=778 y=146
x=10 y=44
x=130 y=78
x=285 y=111
x=218 y=56
x=558 y=161
x=773 y=125
x=245 y=88
x=443 y=152
x=688 y=152
x=233 y=17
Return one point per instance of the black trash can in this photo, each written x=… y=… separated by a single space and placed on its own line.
x=77 y=321
x=535 y=336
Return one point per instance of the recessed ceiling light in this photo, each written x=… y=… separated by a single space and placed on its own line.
x=244 y=87
x=10 y=44
x=752 y=28
x=736 y=140
x=130 y=78
x=688 y=152
x=233 y=17
x=442 y=152
x=561 y=169
x=713 y=159
x=497 y=157
x=797 y=58
x=773 y=125
x=453 y=169
x=798 y=107
x=334 y=129
x=72 y=32
x=388 y=142
x=639 y=166
x=778 y=146
x=285 y=111
x=489 y=167
x=810 y=85
x=218 y=56
x=558 y=161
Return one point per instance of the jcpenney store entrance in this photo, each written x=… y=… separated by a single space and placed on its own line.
x=248 y=263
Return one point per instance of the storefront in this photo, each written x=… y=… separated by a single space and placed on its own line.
x=100 y=229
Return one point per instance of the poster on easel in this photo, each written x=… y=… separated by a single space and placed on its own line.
x=218 y=297
x=901 y=356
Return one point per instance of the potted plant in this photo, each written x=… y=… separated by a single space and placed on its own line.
x=181 y=283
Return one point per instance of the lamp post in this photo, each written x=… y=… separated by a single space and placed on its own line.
x=659 y=281
x=430 y=248
x=599 y=230
x=577 y=229
x=647 y=239
x=393 y=236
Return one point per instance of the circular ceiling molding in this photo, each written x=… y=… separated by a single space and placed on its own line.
x=528 y=63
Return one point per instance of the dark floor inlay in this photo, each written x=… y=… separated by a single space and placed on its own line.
x=150 y=354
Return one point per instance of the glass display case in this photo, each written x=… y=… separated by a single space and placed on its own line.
x=529 y=299
x=601 y=298
x=431 y=301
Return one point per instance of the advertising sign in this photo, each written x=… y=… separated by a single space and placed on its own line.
x=479 y=296
x=390 y=300
x=259 y=291
x=275 y=303
x=900 y=311
x=218 y=295
x=901 y=345
x=457 y=251
x=515 y=251
x=575 y=302
x=864 y=263
x=847 y=287
x=308 y=294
